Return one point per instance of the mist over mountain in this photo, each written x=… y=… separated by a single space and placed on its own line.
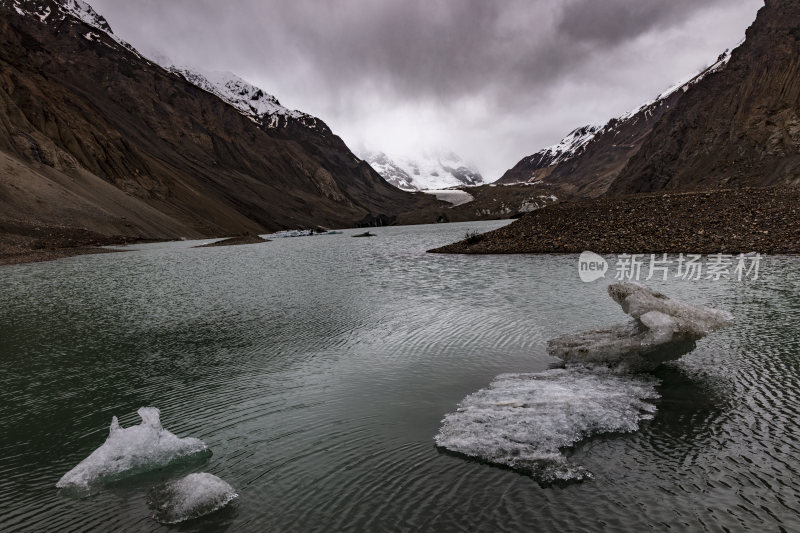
x=428 y=170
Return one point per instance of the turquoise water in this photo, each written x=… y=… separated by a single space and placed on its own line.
x=318 y=370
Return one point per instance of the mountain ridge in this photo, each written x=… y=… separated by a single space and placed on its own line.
x=589 y=158
x=94 y=135
x=740 y=127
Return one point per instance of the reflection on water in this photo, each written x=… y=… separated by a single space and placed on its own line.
x=318 y=370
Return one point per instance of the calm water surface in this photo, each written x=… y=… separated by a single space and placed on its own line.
x=318 y=370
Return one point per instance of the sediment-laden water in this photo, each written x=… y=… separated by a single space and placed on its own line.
x=318 y=371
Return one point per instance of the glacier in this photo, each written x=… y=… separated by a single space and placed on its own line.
x=133 y=450
x=190 y=497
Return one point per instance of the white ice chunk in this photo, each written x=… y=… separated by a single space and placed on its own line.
x=190 y=497
x=662 y=329
x=132 y=450
x=522 y=421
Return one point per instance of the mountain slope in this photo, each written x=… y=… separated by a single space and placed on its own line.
x=95 y=136
x=586 y=161
x=427 y=171
x=739 y=127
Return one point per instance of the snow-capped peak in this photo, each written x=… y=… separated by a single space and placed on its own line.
x=249 y=100
x=262 y=108
x=425 y=171
x=569 y=145
x=577 y=141
x=56 y=11
x=83 y=11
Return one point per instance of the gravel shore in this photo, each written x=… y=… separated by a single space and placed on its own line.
x=763 y=220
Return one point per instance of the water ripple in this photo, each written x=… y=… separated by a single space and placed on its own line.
x=318 y=370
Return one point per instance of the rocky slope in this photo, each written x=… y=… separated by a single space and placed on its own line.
x=425 y=172
x=740 y=126
x=588 y=160
x=94 y=137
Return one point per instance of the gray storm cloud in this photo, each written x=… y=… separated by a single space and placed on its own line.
x=492 y=80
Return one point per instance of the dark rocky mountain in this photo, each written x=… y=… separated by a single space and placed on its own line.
x=738 y=127
x=98 y=139
x=588 y=160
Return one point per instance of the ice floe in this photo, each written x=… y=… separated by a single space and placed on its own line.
x=190 y=497
x=523 y=421
x=132 y=450
x=526 y=421
x=662 y=329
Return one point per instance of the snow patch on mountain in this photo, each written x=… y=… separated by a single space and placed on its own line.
x=570 y=145
x=682 y=86
x=429 y=170
x=578 y=140
x=249 y=100
x=56 y=11
x=84 y=12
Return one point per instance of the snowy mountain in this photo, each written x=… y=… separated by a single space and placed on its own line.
x=428 y=171
x=251 y=101
x=587 y=160
x=55 y=12
x=102 y=142
x=264 y=109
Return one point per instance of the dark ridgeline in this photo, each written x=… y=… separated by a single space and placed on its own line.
x=590 y=157
x=735 y=124
x=733 y=134
x=740 y=126
x=95 y=137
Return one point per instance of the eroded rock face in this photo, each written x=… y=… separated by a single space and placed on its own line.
x=662 y=329
x=736 y=127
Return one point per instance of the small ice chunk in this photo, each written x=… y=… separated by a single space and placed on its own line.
x=662 y=329
x=690 y=320
x=190 y=497
x=523 y=421
x=132 y=450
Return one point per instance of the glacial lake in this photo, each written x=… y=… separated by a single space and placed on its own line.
x=318 y=370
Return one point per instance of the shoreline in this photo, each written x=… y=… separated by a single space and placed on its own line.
x=8 y=258
x=16 y=249
x=731 y=221
x=235 y=241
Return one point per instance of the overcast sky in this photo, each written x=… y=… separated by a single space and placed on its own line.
x=492 y=80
